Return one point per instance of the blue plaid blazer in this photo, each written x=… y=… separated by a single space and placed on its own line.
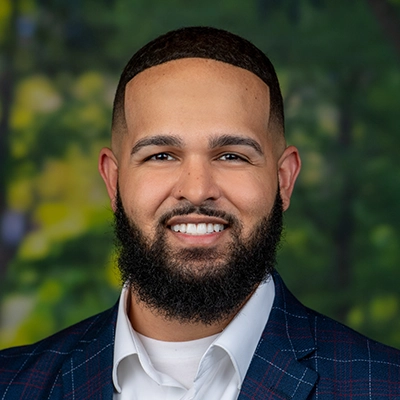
x=301 y=355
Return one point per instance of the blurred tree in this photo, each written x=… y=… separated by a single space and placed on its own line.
x=8 y=43
x=55 y=116
x=340 y=83
x=340 y=80
x=388 y=15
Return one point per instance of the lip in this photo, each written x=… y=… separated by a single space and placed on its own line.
x=209 y=239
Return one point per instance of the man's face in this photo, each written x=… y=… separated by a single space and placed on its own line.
x=198 y=136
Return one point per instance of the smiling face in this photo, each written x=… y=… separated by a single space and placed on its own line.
x=198 y=181
x=198 y=134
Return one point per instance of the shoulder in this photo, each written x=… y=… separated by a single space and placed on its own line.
x=329 y=337
x=40 y=364
x=349 y=362
x=56 y=346
x=341 y=344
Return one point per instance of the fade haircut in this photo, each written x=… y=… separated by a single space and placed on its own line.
x=201 y=42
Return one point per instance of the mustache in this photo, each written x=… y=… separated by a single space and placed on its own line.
x=199 y=210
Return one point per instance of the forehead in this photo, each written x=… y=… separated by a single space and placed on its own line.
x=196 y=70
x=194 y=93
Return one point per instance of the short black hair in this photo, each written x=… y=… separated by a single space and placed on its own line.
x=201 y=42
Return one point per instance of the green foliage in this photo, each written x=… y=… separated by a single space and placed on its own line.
x=340 y=80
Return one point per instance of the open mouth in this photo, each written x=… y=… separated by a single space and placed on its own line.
x=198 y=229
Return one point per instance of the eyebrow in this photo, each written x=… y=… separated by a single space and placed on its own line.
x=214 y=142
x=229 y=140
x=158 y=140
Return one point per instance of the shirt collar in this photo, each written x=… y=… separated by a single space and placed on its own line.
x=126 y=341
x=239 y=339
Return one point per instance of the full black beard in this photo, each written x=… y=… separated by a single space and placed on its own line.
x=196 y=285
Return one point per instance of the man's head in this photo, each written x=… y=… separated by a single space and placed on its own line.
x=197 y=167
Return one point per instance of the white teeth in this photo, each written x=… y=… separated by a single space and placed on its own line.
x=197 y=229
x=191 y=229
x=218 y=227
x=201 y=229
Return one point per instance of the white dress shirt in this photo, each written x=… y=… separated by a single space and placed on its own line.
x=211 y=368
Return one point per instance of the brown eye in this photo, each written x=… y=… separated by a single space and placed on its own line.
x=161 y=157
x=231 y=157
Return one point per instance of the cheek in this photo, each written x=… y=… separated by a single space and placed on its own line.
x=142 y=195
x=253 y=196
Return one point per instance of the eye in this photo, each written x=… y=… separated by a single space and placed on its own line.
x=160 y=157
x=231 y=157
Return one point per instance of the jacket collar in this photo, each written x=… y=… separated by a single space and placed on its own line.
x=276 y=369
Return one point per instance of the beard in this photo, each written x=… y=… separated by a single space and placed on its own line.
x=196 y=285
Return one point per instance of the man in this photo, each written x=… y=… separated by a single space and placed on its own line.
x=198 y=175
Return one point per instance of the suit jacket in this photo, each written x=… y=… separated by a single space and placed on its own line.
x=301 y=355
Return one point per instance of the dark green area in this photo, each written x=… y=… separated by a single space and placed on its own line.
x=338 y=62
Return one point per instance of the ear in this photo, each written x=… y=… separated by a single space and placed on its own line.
x=289 y=166
x=108 y=168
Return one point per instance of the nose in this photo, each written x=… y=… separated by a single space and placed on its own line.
x=196 y=183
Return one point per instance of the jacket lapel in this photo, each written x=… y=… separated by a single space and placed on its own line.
x=87 y=374
x=276 y=371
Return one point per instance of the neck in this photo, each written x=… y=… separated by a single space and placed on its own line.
x=153 y=324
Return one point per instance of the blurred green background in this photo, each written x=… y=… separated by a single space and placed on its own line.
x=338 y=63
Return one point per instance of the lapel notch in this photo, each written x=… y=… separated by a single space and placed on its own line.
x=276 y=370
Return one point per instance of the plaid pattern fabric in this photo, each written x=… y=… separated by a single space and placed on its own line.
x=73 y=364
x=305 y=355
x=301 y=355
